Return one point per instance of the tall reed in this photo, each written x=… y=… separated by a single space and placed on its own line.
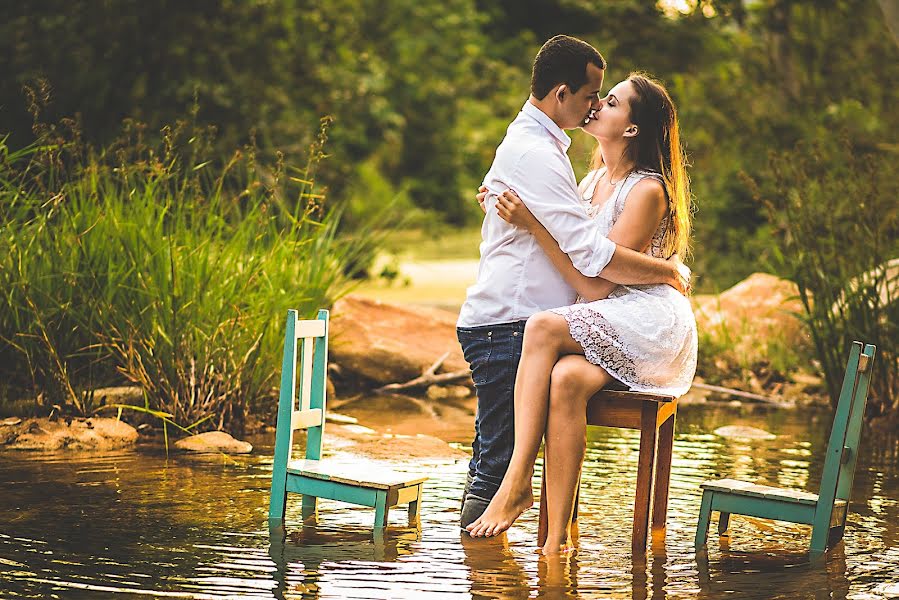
x=146 y=262
x=837 y=219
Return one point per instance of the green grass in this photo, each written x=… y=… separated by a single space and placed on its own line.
x=149 y=265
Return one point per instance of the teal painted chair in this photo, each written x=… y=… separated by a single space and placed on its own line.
x=357 y=481
x=825 y=511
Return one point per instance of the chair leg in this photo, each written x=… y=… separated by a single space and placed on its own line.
x=705 y=515
x=723 y=520
x=310 y=509
x=645 y=466
x=415 y=509
x=577 y=501
x=818 y=545
x=835 y=535
x=381 y=509
x=277 y=508
x=663 y=474
x=543 y=520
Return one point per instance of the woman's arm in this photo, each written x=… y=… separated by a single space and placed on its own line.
x=634 y=229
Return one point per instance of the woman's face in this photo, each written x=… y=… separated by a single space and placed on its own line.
x=612 y=119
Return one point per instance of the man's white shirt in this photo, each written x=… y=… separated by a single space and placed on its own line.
x=515 y=277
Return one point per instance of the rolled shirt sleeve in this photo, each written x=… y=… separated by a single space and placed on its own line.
x=552 y=198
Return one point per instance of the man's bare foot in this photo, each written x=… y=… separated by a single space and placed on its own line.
x=504 y=508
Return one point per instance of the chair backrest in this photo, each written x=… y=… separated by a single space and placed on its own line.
x=310 y=337
x=842 y=450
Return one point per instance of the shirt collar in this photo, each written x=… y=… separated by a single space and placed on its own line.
x=550 y=125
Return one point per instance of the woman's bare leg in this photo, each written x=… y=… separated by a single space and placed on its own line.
x=574 y=381
x=546 y=339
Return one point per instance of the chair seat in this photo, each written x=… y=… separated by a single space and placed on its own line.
x=364 y=474
x=754 y=490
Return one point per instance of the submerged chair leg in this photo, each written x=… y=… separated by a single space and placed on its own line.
x=663 y=475
x=381 y=510
x=705 y=515
x=415 y=509
x=277 y=507
x=819 y=541
x=723 y=520
x=310 y=509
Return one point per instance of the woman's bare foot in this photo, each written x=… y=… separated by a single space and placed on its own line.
x=504 y=508
x=556 y=548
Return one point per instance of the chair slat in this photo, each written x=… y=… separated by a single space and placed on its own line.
x=636 y=397
x=358 y=473
x=863 y=361
x=310 y=328
x=302 y=419
x=745 y=488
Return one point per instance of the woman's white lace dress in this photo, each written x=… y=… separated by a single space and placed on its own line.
x=642 y=335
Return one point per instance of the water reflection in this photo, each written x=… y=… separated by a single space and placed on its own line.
x=82 y=526
x=732 y=572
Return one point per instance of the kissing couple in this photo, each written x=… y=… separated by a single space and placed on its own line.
x=579 y=287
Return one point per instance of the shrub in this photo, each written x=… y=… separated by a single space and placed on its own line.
x=153 y=265
x=837 y=222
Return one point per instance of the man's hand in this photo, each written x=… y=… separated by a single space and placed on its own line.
x=481 y=196
x=680 y=276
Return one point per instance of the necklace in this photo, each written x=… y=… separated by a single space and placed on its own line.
x=609 y=177
x=592 y=208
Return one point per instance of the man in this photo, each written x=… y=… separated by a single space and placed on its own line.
x=515 y=277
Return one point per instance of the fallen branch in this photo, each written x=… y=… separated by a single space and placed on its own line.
x=428 y=377
x=732 y=392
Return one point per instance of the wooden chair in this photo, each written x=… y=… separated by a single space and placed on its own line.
x=356 y=482
x=653 y=415
x=825 y=511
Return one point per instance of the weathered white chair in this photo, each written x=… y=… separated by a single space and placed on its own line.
x=360 y=482
x=825 y=511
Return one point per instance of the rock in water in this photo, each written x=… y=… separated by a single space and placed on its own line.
x=214 y=441
x=744 y=432
x=385 y=343
x=74 y=434
x=759 y=309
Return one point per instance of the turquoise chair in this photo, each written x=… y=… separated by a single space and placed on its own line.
x=356 y=481
x=825 y=511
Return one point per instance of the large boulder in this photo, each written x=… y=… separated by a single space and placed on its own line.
x=757 y=310
x=385 y=343
x=70 y=434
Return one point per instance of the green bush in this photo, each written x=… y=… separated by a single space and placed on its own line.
x=837 y=222
x=144 y=263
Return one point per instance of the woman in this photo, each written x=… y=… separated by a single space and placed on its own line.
x=641 y=336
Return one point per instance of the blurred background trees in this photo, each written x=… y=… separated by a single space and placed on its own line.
x=421 y=92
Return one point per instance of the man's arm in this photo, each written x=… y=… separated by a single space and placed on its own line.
x=634 y=229
x=543 y=181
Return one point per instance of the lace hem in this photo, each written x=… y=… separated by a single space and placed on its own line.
x=603 y=347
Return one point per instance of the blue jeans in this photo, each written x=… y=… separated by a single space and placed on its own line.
x=493 y=351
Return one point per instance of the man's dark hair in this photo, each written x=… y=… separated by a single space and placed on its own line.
x=563 y=59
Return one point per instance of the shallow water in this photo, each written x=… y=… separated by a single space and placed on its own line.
x=141 y=525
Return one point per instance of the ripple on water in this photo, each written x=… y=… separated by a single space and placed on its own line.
x=81 y=526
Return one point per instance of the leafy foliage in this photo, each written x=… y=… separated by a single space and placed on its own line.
x=141 y=262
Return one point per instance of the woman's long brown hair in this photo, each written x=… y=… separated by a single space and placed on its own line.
x=657 y=147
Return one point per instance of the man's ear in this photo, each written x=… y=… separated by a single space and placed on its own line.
x=560 y=92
